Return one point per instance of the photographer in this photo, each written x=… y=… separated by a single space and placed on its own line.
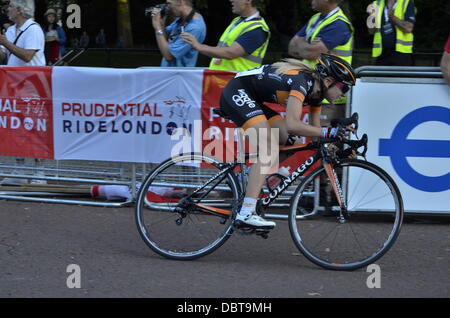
x=174 y=50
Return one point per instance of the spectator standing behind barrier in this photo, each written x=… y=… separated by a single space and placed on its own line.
x=244 y=43
x=75 y=42
x=328 y=31
x=22 y=45
x=174 y=50
x=55 y=38
x=84 y=40
x=445 y=62
x=100 y=40
x=393 y=41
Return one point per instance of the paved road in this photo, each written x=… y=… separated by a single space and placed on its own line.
x=38 y=241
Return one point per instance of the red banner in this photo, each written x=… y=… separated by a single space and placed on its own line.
x=26 y=112
x=218 y=133
x=218 y=138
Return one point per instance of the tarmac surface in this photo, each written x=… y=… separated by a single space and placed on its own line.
x=38 y=242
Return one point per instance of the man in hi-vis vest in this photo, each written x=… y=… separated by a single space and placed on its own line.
x=328 y=31
x=244 y=43
x=393 y=37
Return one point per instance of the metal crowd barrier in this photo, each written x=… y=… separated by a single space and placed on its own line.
x=73 y=173
x=402 y=74
x=68 y=181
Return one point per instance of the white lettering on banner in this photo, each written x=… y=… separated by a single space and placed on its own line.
x=28 y=123
x=34 y=107
x=213 y=115
x=15 y=123
x=7 y=105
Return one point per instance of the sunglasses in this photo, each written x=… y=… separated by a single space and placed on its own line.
x=344 y=88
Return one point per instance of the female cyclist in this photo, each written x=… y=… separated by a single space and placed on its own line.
x=291 y=83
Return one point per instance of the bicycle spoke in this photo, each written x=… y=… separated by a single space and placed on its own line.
x=359 y=237
x=195 y=233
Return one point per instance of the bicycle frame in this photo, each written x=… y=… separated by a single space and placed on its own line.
x=300 y=171
x=275 y=193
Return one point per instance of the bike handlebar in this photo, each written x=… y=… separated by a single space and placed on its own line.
x=353 y=120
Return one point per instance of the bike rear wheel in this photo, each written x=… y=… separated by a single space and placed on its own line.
x=370 y=225
x=182 y=229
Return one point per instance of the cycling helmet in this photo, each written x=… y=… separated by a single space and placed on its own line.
x=337 y=68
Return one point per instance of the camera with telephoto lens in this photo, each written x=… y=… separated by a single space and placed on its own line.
x=164 y=7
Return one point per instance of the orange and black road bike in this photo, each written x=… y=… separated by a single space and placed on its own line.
x=344 y=213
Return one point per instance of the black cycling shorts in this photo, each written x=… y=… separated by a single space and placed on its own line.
x=239 y=100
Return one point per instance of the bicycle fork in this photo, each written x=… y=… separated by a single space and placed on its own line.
x=337 y=189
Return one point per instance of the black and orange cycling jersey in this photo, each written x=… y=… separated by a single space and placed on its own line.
x=242 y=99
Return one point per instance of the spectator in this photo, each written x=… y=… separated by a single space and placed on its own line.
x=328 y=31
x=55 y=38
x=244 y=43
x=5 y=23
x=84 y=40
x=174 y=50
x=23 y=45
x=445 y=62
x=393 y=41
x=75 y=42
x=100 y=40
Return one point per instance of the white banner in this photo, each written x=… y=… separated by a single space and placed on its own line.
x=409 y=136
x=122 y=115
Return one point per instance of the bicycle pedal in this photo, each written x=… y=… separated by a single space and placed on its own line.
x=264 y=233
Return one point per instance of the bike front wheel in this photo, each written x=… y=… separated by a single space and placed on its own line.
x=178 y=223
x=353 y=237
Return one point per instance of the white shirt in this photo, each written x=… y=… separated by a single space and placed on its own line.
x=31 y=39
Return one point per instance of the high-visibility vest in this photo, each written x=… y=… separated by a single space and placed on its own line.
x=247 y=61
x=404 y=42
x=343 y=51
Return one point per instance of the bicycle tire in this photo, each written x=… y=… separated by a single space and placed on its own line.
x=363 y=212
x=155 y=214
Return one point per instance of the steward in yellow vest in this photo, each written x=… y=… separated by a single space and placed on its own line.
x=243 y=44
x=393 y=38
x=329 y=31
x=343 y=51
x=237 y=28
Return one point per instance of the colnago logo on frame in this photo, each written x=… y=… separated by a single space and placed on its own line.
x=288 y=181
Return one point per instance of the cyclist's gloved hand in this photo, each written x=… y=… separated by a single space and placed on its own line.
x=330 y=132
